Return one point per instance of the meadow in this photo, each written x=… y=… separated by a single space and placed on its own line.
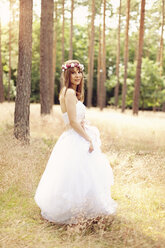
x=135 y=147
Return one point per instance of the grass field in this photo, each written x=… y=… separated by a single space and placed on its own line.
x=135 y=147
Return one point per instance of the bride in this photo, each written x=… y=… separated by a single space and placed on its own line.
x=77 y=180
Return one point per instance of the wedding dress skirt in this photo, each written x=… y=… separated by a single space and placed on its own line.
x=76 y=184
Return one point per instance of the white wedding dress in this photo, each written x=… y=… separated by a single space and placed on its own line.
x=76 y=184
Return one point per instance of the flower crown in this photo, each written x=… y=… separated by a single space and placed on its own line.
x=72 y=65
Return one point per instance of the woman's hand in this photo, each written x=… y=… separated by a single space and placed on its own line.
x=91 y=148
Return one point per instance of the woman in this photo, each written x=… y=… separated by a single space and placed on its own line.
x=77 y=179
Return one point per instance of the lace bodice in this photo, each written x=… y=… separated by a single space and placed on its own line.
x=80 y=112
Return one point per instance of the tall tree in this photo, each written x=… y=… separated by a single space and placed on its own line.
x=118 y=60
x=63 y=38
x=99 y=67
x=54 y=51
x=71 y=31
x=126 y=55
x=91 y=56
x=139 y=61
x=63 y=30
x=103 y=63
x=9 y=78
x=160 y=53
x=50 y=47
x=1 y=72
x=22 y=102
x=46 y=52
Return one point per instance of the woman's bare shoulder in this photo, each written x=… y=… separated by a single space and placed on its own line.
x=70 y=95
x=70 y=92
x=67 y=91
x=67 y=95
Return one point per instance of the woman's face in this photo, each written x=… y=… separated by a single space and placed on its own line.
x=75 y=76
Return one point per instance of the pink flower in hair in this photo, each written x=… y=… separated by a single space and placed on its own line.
x=72 y=65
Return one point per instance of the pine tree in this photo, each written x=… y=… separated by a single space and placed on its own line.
x=160 y=53
x=126 y=55
x=103 y=62
x=139 y=61
x=91 y=57
x=54 y=51
x=63 y=38
x=1 y=73
x=118 y=60
x=71 y=32
x=99 y=68
x=9 y=78
x=46 y=55
x=22 y=102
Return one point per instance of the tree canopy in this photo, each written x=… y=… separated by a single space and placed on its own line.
x=152 y=78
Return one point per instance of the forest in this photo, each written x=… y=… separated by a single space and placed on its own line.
x=121 y=45
x=112 y=33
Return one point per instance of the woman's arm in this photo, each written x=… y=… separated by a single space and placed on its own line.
x=70 y=101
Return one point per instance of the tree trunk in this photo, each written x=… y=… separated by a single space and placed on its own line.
x=99 y=68
x=22 y=103
x=163 y=107
x=160 y=56
x=160 y=53
x=50 y=46
x=9 y=75
x=71 y=32
x=139 y=61
x=91 y=57
x=63 y=38
x=118 y=61
x=126 y=55
x=54 y=52
x=63 y=28
x=46 y=51
x=1 y=72
x=103 y=66
x=161 y=42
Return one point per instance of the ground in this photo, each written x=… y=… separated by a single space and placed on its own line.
x=135 y=147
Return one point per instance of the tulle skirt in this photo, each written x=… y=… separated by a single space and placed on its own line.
x=76 y=184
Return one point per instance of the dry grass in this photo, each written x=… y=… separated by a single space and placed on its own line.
x=135 y=147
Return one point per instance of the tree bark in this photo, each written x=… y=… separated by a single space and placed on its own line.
x=50 y=46
x=2 y=98
x=46 y=51
x=139 y=61
x=22 y=103
x=63 y=38
x=71 y=32
x=103 y=63
x=9 y=75
x=63 y=28
x=91 y=57
x=126 y=56
x=160 y=53
x=54 y=52
x=118 y=60
x=99 y=68
x=161 y=42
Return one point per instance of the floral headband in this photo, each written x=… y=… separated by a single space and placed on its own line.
x=72 y=65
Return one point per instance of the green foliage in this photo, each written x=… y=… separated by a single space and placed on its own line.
x=152 y=90
x=151 y=85
x=12 y=87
